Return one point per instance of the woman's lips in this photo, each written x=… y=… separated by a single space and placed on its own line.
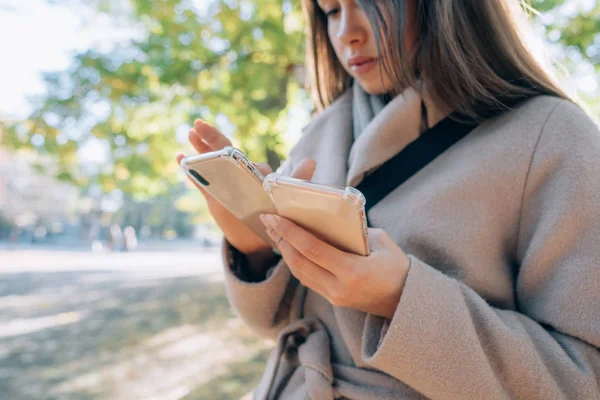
x=364 y=67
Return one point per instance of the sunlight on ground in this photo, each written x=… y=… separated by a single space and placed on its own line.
x=138 y=326
x=30 y=325
x=169 y=365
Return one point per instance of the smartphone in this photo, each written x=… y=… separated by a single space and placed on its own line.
x=334 y=214
x=234 y=182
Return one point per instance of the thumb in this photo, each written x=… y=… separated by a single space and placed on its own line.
x=305 y=169
x=263 y=167
x=379 y=239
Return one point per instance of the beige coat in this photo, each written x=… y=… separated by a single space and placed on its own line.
x=502 y=299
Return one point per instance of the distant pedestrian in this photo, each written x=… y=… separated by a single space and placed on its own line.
x=115 y=238
x=130 y=238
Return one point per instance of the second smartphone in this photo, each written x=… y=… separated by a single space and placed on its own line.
x=335 y=215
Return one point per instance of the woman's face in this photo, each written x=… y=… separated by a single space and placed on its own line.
x=352 y=38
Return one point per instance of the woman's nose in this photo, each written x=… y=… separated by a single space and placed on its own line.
x=350 y=31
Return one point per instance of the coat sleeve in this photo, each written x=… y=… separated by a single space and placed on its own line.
x=264 y=306
x=447 y=342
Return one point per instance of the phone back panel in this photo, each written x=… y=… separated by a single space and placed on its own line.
x=335 y=215
x=233 y=181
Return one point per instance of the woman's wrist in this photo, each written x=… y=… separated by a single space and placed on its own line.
x=257 y=263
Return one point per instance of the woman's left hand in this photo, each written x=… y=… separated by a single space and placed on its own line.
x=372 y=284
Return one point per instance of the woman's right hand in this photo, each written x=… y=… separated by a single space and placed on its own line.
x=205 y=138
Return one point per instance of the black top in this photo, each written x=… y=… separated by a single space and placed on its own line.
x=428 y=146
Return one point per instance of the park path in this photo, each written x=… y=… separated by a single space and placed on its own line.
x=150 y=325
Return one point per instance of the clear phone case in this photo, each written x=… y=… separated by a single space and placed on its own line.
x=228 y=153
x=235 y=182
x=334 y=214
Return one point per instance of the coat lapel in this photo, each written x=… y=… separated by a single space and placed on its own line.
x=341 y=161
x=394 y=128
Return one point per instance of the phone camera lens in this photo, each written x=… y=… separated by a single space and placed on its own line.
x=199 y=177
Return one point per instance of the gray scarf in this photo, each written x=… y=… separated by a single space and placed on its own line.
x=365 y=107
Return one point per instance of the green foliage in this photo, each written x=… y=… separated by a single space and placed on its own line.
x=230 y=63
x=581 y=33
x=578 y=31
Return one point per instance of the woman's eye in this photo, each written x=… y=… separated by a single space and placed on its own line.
x=332 y=12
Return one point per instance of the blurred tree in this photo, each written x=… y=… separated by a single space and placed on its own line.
x=231 y=62
x=574 y=26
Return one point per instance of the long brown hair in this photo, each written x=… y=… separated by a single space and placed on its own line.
x=471 y=54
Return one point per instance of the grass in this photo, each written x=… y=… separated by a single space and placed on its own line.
x=128 y=341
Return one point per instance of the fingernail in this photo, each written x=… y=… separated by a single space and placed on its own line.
x=201 y=122
x=270 y=221
x=271 y=234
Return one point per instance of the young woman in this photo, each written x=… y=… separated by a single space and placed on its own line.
x=484 y=276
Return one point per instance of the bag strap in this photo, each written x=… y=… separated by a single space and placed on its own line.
x=428 y=146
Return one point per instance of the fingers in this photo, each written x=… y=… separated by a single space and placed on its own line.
x=199 y=145
x=210 y=135
x=180 y=156
x=315 y=250
x=308 y=273
x=305 y=169
x=264 y=168
x=379 y=239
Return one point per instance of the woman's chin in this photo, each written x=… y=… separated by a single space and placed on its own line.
x=374 y=86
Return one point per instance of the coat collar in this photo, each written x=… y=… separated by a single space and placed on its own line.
x=395 y=127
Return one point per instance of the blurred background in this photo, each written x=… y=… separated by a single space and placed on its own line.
x=110 y=279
